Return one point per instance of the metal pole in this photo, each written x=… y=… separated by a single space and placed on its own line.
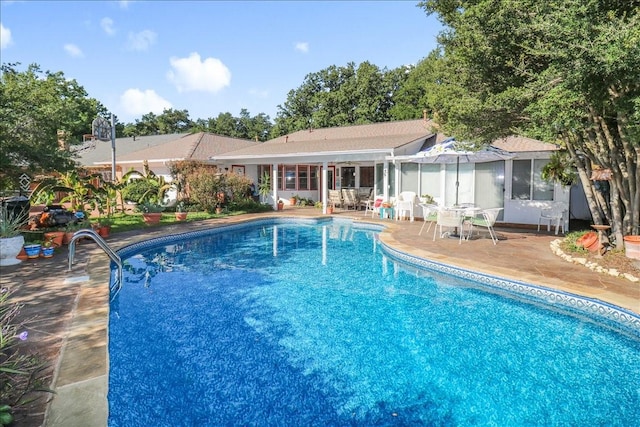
x=113 y=149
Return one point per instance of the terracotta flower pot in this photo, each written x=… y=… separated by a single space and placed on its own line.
x=55 y=237
x=152 y=218
x=590 y=241
x=67 y=237
x=181 y=216
x=104 y=231
x=632 y=246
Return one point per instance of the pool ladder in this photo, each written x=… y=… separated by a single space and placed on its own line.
x=115 y=288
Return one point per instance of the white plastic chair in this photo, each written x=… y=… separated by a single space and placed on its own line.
x=555 y=213
x=404 y=205
x=373 y=206
x=487 y=220
x=449 y=219
x=429 y=215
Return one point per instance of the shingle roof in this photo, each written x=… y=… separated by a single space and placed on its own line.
x=370 y=137
x=197 y=146
x=520 y=144
x=91 y=152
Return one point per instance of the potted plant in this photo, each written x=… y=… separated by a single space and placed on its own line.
x=280 y=205
x=151 y=212
x=330 y=208
x=47 y=248
x=71 y=229
x=55 y=237
x=181 y=211
x=32 y=249
x=103 y=226
x=11 y=241
x=264 y=187
x=294 y=200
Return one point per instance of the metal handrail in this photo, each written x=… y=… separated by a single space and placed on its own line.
x=105 y=247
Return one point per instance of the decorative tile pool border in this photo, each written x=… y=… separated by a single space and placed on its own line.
x=614 y=317
x=611 y=316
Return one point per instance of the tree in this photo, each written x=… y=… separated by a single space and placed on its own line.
x=565 y=72
x=339 y=96
x=34 y=107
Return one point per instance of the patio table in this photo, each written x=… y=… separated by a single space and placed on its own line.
x=387 y=211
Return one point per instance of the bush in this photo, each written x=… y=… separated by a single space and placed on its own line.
x=137 y=189
x=204 y=187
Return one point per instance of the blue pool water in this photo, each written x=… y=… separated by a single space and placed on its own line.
x=316 y=325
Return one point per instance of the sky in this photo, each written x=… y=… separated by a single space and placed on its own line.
x=207 y=57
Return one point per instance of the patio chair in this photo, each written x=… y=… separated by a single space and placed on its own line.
x=486 y=220
x=364 y=198
x=451 y=219
x=404 y=205
x=373 y=207
x=350 y=198
x=429 y=215
x=555 y=213
x=334 y=199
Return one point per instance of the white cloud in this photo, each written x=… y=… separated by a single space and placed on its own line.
x=194 y=74
x=302 y=47
x=5 y=37
x=107 y=26
x=73 y=50
x=141 y=40
x=136 y=102
x=124 y=4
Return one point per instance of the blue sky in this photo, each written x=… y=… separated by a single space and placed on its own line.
x=207 y=57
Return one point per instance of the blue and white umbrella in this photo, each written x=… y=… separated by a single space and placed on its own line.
x=451 y=151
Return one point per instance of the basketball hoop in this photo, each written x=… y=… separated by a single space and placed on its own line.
x=101 y=129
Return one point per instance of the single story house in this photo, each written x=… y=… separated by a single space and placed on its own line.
x=310 y=162
x=368 y=158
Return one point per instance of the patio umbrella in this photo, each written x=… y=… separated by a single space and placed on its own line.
x=449 y=151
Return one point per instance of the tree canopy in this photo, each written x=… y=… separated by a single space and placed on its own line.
x=34 y=107
x=340 y=96
x=565 y=72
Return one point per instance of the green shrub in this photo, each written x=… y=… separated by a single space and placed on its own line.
x=137 y=189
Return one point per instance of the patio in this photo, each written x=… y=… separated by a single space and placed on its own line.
x=69 y=310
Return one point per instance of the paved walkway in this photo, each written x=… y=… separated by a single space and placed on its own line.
x=68 y=311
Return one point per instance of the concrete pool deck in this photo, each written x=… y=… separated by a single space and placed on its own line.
x=68 y=311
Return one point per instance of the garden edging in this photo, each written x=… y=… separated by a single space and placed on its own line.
x=555 y=248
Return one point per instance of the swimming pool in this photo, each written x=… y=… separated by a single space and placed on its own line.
x=314 y=323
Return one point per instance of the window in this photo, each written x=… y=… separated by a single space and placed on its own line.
x=290 y=177
x=348 y=177
x=303 y=177
x=409 y=177
x=314 y=177
x=527 y=182
x=366 y=176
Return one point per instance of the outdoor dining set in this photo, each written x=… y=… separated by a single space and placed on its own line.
x=459 y=221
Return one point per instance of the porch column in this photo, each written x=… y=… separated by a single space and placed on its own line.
x=325 y=186
x=396 y=183
x=274 y=185
x=385 y=180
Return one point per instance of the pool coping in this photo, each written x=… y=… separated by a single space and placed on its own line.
x=82 y=401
